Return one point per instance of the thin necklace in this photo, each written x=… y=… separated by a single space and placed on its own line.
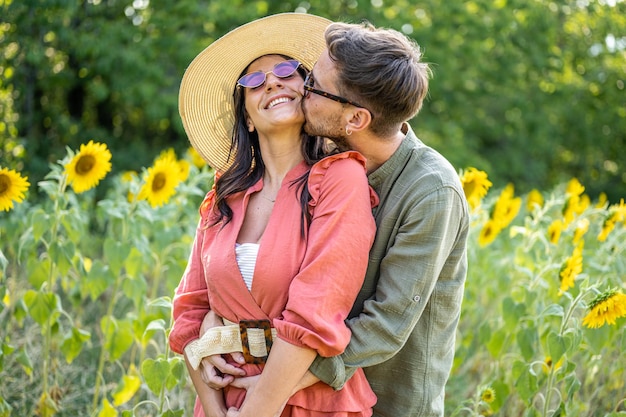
x=267 y=198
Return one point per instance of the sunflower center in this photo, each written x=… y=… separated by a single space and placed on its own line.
x=85 y=164
x=159 y=182
x=5 y=183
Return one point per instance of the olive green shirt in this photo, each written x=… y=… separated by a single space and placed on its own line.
x=405 y=318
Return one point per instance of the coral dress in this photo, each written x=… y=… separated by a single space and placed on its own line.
x=304 y=286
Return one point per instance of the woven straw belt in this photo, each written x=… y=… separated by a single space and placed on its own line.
x=251 y=337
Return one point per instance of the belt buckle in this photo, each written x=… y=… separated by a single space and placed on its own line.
x=256 y=340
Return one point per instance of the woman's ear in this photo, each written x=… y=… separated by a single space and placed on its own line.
x=250 y=125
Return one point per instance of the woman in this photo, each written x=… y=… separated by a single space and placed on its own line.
x=284 y=236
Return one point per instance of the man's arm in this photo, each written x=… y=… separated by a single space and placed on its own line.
x=408 y=274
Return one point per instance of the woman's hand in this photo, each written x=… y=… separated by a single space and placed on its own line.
x=216 y=372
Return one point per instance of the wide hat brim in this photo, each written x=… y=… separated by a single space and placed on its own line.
x=205 y=99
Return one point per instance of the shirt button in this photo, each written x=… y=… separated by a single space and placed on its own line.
x=417 y=298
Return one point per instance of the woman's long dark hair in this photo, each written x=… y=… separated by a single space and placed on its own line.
x=248 y=168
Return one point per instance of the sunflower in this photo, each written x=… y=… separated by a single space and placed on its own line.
x=571 y=268
x=88 y=166
x=168 y=153
x=605 y=309
x=547 y=365
x=12 y=188
x=183 y=165
x=616 y=214
x=506 y=207
x=535 y=200
x=607 y=227
x=602 y=200
x=129 y=176
x=488 y=233
x=554 y=231
x=582 y=226
x=475 y=186
x=620 y=209
x=574 y=187
x=161 y=182
x=195 y=158
x=184 y=168
x=488 y=395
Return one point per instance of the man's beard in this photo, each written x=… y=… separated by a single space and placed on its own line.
x=329 y=128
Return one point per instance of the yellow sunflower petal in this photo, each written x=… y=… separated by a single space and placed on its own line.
x=161 y=182
x=488 y=233
x=605 y=309
x=12 y=188
x=572 y=267
x=534 y=200
x=88 y=166
x=475 y=186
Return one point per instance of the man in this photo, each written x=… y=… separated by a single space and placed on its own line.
x=361 y=92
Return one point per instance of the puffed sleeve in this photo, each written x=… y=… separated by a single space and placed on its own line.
x=338 y=242
x=191 y=300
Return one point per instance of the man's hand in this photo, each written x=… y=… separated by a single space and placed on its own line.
x=249 y=383
x=217 y=373
x=306 y=381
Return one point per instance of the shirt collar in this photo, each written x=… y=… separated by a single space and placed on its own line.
x=396 y=160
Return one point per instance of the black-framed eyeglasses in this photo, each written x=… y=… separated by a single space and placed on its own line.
x=309 y=83
x=256 y=79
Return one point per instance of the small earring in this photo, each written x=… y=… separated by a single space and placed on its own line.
x=348 y=131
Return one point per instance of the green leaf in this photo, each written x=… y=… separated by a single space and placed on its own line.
x=161 y=302
x=502 y=393
x=155 y=373
x=512 y=312
x=526 y=383
x=134 y=263
x=23 y=359
x=115 y=254
x=73 y=343
x=178 y=372
x=572 y=385
x=135 y=288
x=38 y=271
x=5 y=408
x=527 y=342
x=556 y=346
x=118 y=336
x=553 y=310
x=496 y=342
x=7 y=349
x=98 y=280
x=43 y=307
x=173 y=413
x=158 y=325
x=72 y=226
x=62 y=254
x=41 y=222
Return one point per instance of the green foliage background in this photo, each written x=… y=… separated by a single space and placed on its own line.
x=529 y=91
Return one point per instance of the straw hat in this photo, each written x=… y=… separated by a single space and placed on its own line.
x=206 y=92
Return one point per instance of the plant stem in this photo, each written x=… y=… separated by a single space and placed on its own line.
x=102 y=358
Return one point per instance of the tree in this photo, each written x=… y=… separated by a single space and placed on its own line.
x=531 y=92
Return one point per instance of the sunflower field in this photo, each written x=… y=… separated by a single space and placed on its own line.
x=86 y=286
